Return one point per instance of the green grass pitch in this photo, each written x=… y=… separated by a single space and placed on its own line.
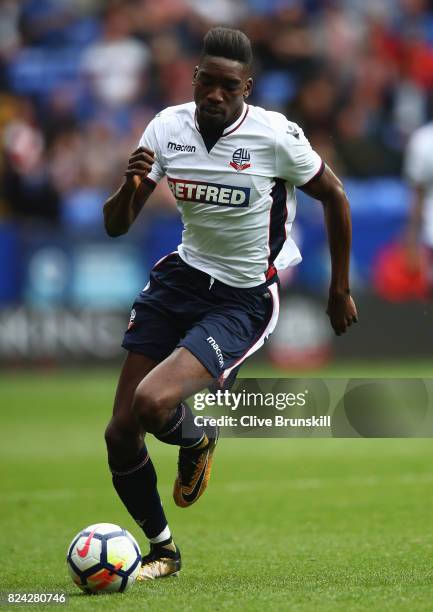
x=288 y=524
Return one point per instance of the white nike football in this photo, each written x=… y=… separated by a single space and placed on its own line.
x=103 y=558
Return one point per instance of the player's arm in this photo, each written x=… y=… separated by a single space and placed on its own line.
x=122 y=208
x=414 y=226
x=329 y=190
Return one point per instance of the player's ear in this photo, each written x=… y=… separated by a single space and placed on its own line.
x=194 y=76
x=248 y=88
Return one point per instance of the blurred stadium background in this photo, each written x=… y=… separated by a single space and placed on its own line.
x=80 y=79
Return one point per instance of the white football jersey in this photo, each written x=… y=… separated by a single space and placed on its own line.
x=237 y=201
x=418 y=169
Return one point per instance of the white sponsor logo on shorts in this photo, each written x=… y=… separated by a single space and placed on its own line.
x=217 y=350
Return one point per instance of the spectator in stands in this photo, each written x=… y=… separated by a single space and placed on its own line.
x=116 y=65
x=419 y=172
x=26 y=183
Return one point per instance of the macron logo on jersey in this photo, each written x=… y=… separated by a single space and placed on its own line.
x=173 y=146
x=209 y=193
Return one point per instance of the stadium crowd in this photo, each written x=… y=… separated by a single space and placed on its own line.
x=79 y=80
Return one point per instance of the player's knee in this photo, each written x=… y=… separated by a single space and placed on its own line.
x=120 y=439
x=111 y=435
x=152 y=407
x=124 y=443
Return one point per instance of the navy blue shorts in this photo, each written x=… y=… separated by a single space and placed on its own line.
x=221 y=325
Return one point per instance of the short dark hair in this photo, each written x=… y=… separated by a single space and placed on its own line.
x=228 y=43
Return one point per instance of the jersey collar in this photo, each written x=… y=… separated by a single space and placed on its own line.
x=236 y=124
x=233 y=126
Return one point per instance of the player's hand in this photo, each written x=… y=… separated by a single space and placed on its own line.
x=341 y=311
x=139 y=165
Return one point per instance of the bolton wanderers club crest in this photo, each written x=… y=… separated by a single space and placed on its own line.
x=240 y=161
x=132 y=319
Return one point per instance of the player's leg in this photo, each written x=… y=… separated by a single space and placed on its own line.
x=147 y=404
x=161 y=410
x=133 y=473
x=134 y=476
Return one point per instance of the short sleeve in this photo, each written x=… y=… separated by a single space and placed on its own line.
x=151 y=137
x=417 y=165
x=296 y=161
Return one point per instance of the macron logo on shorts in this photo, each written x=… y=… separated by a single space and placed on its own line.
x=217 y=350
x=210 y=193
